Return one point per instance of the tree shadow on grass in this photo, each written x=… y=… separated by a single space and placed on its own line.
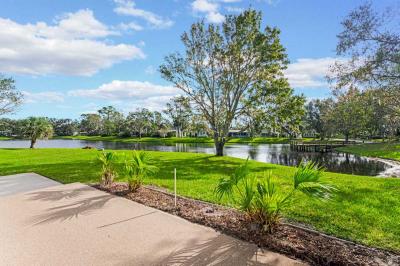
x=197 y=168
x=77 y=171
x=355 y=194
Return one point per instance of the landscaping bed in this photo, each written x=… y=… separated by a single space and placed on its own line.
x=301 y=243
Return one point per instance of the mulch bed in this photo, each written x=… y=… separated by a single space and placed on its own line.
x=301 y=243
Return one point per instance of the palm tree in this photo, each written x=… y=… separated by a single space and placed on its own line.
x=36 y=128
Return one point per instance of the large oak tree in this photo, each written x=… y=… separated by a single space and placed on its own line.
x=227 y=69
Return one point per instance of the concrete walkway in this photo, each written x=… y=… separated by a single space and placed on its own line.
x=78 y=225
x=14 y=184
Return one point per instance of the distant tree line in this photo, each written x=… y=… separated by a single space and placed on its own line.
x=178 y=119
x=355 y=114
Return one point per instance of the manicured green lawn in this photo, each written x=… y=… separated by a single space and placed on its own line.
x=172 y=140
x=5 y=138
x=388 y=150
x=366 y=210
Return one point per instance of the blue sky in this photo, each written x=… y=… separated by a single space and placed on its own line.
x=71 y=57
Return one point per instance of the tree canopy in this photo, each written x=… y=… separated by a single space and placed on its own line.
x=370 y=44
x=10 y=98
x=36 y=128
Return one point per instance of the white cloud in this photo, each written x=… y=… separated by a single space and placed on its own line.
x=129 y=95
x=81 y=24
x=152 y=103
x=71 y=46
x=210 y=8
x=90 y=108
x=309 y=72
x=272 y=2
x=73 y=25
x=234 y=9
x=150 y=70
x=126 y=90
x=43 y=97
x=230 y=1
x=128 y=8
x=130 y=26
x=215 y=17
x=204 y=6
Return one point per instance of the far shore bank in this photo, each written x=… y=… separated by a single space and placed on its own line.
x=385 y=150
x=172 y=140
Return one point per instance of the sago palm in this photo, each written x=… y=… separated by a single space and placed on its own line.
x=137 y=168
x=108 y=172
x=261 y=199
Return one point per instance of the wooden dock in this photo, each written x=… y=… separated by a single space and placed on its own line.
x=318 y=147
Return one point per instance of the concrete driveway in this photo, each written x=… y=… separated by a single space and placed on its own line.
x=78 y=225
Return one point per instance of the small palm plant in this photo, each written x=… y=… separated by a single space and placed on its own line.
x=108 y=172
x=239 y=187
x=137 y=168
x=260 y=198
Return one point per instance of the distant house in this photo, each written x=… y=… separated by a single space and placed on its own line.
x=236 y=133
x=6 y=133
x=201 y=134
x=309 y=134
x=270 y=133
x=267 y=133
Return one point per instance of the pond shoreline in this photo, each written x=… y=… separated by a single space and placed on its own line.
x=394 y=171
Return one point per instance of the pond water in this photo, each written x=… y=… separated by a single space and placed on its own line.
x=271 y=153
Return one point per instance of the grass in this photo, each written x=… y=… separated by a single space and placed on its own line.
x=172 y=140
x=366 y=210
x=388 y=150
x=5 y=138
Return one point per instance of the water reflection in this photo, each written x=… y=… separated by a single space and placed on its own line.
x=272 y=153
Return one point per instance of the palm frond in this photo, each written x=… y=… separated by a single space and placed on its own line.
x=224 y=187
x=240 y=173
x=307 y=172
x=320 y=191
x=307 y=180
x=248 y=194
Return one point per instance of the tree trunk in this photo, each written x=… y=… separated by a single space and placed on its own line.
x=347 y=138
x=219 y=147
x=33 y=142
